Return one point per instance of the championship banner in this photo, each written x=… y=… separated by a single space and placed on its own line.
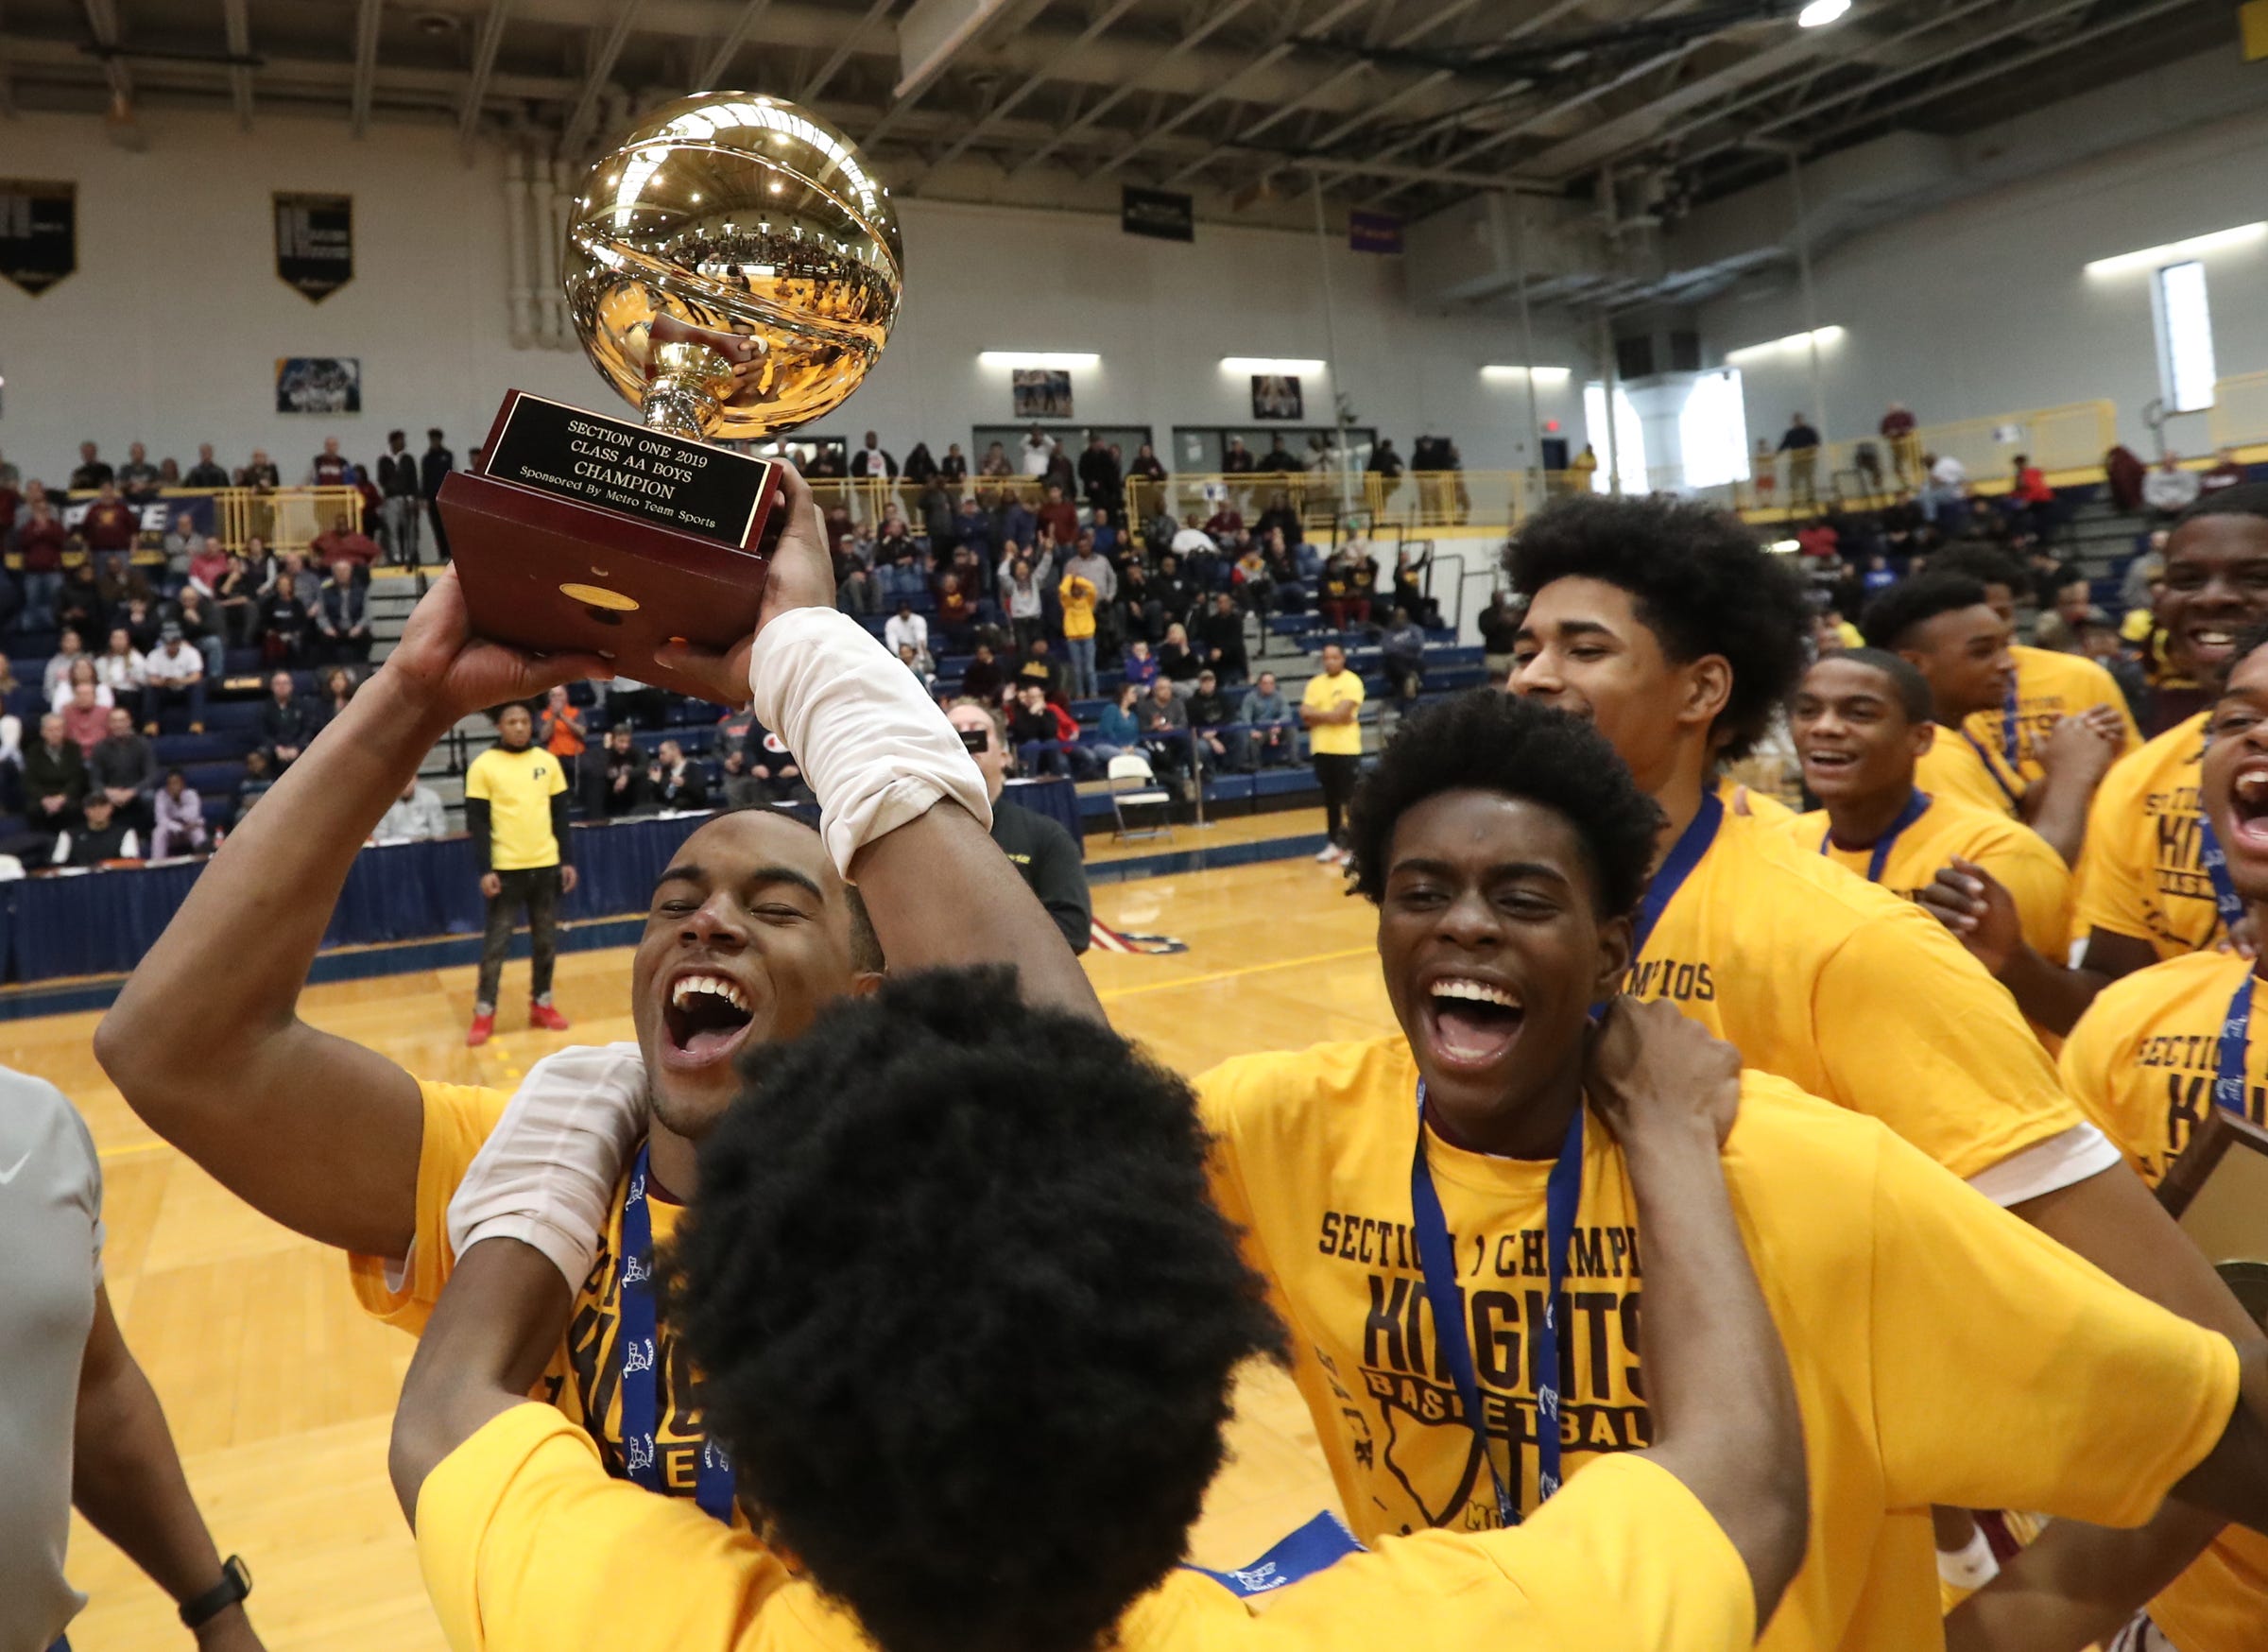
x=1373 y=232
x=158 y=515
x=315 y=243
x=39 y=232
x=1158 y=212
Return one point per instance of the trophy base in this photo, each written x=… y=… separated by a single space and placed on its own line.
x=545 y=567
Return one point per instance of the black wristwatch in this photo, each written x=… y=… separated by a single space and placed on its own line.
x=235 y=1583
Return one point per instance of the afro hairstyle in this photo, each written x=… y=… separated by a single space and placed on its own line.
x=1489 y=741
x=1700 y=582
x=1891 y=617
x=966 y=1317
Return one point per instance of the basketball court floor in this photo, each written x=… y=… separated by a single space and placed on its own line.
x=279 y=1391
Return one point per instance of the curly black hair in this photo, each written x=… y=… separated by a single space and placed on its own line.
x=1701 y=583
x=1984 y=563
x=965 y=1315
x=1890 y=617
x=1493 y=742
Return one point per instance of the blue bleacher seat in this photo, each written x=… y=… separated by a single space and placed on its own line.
x=213 y=745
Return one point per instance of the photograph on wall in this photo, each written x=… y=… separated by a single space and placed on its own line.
x=315 y=243
x=1277 y=396
x=1040 y=393
x=39 y=232
x=318 y=384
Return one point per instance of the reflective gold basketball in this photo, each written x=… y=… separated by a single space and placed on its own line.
x=732 y=266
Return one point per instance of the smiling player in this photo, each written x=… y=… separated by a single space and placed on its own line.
x=752 y=930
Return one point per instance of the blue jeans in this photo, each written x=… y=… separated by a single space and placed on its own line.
x=155 y=696
x=41 y=591
x=1081 y=652
x=1041 y=757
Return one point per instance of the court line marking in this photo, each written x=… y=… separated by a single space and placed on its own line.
x=135 y=1149
x=1352 y=951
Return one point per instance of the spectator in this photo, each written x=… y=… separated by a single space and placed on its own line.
x=1079 y=597
x=93 y=473
x=1944 y=500
x=39 y=539
x=252 y=786
x=1500 y=635
x=1280 y=461
x=1146 y=465
x=55 y=681
x=953 y=470
x=917 y=662
x=124 y=769
x=1409 y=594
x=1800 y=442
x=1035 y=733
x=283 y=622
x=118 y=667
x=741 y=789
x=1385 y=464
x=921 y=465
x=179 y=813
x=559 y=730
x=1905 y=447
x=1170 y=591
x=1091 y=565
x=108 y=528
x=982 y=678
x=994 y=465
x=261 y=473
x=86 y=720
x=905 y=626
x=1059 y=473
x=138 y=480
x=287 y=723
x=341 y=614
x=1058 y=518
x=1208 y=717
x=1341 y=603
x=55 y=776
x=205 y=473
x=1220 y=638
x=1024 y=585
x=674 y=784
x=1116 y=730
x=330 y=468
x=871 y=463
x=1141 y=666
x=1403 y=649
x=99 y=836
x=2225 y=472
x=208 y=562
x=338 y=686
x=398 y=495
x=1041 y=852
x=1268 y=739
x=182 y=543
x=237 y=604
x=140 y=617
x=346 y=544
x=775 y=768
x=2169 y=489
x=1237 y=460
x=1165 y=722
x=956 y=613
x=1038 y=447
x=433 y=465
x=1100 y=482
x=516 y=812
x=1178 y=662
x=416 y=816
x=1252 y=580
x=1194 y=537
x=614 y=786
x=1329 y=708
x=175 y=672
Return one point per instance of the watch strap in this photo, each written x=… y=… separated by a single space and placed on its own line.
x=234 y=1585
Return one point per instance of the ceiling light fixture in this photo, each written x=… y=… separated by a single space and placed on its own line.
x=1269 y=364
x=2174 y=251
x=1821 y=12
x=1544 y=375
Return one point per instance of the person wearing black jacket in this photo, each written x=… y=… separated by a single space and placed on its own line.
x=614 y=786
x=435 y=464
x=287 y=723
x=1044 y=856
x=1099 y=478
x=1221 y=637
x=401 y=491
x=674 y=784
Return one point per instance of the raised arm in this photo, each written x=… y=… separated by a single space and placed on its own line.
x=1717 y=1379
x=205 y=1042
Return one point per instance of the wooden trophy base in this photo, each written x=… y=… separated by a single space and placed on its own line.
x=580 y=533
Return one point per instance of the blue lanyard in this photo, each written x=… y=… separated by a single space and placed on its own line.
x=2226 y=902
x=1437 y=1273
x=2015 y=797
x=2228 y=1064
x=642 y=1359
x=2008 y=724
x=1917 y=804
x=1685 y=854
x=1314 y=1547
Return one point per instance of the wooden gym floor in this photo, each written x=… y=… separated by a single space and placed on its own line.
x=279 y=1391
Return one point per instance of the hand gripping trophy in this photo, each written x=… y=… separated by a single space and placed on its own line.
x=733 y=269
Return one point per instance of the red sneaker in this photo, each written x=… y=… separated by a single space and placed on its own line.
x=544 y=1016
x=483 y=1027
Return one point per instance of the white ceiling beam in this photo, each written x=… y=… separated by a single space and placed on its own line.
x=585 y=114
x=367 y=16
x=483 y=65
x=238 y=20
x=1031 y=83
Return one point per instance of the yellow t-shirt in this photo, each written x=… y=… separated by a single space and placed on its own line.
x=1954 y=768
x=525 y=1547
x=1851 y=993
x=2049 y=686
x=2020 y=857
x=519 y=786
x=2139 y=873
x=1077 y=595
x=2140 y=1062
x=1322 y=694
x=584 y=1378
x=1943 y=1351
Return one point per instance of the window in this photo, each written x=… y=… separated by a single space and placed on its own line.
x=1712 y=429
x=2185 y=337
x=1629 y=439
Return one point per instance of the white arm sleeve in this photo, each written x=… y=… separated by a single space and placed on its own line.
x=2066 y=1157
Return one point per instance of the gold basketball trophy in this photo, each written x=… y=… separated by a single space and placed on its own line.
x=733 y=269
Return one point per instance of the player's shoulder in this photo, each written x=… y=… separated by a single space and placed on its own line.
x=2133 y=998
x=1781 y=1122
x=1769 y=860
x=1973 y=832
x=1248 y=1091
x=2149 y=764
x=462 y=1114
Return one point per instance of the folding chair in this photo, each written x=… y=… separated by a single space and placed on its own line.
x=1132 y=782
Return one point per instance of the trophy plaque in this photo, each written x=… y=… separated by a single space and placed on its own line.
x=2218 y=1192
x=733 y=270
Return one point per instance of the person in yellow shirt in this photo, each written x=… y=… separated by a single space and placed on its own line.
x=516 y=812
x=1328 y=709
x=1860 y=720
x=2144 y=891
x=1943 y=625
x=2049 y=685
x=1078 y=596
x=1417 y=1200
x=968 y=1333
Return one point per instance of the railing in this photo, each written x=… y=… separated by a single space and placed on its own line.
x=286 y=519
x=2239 y=412
x=1418 y=499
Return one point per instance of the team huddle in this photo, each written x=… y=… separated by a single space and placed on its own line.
x=880 y=1295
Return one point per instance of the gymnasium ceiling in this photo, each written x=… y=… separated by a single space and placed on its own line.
x=1402 y=106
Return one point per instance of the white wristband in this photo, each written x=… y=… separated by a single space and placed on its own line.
x=874 y=747
x=547 y=1172
x=1972 y=1567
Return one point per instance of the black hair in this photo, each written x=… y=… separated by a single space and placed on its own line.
x=1489 y=741
x=1892 y=617
x=1910 y=687
x=965 y=1319
x=1700 y=582
x=1984 y=563
x=2251 y=643
x=2244 y=499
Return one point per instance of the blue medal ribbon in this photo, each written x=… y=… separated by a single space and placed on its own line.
x=2226 y=902
x=1685 y=854
x=1917 y=804
x=2014 y=797
x=641 y=1361
x=2228 y=1063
